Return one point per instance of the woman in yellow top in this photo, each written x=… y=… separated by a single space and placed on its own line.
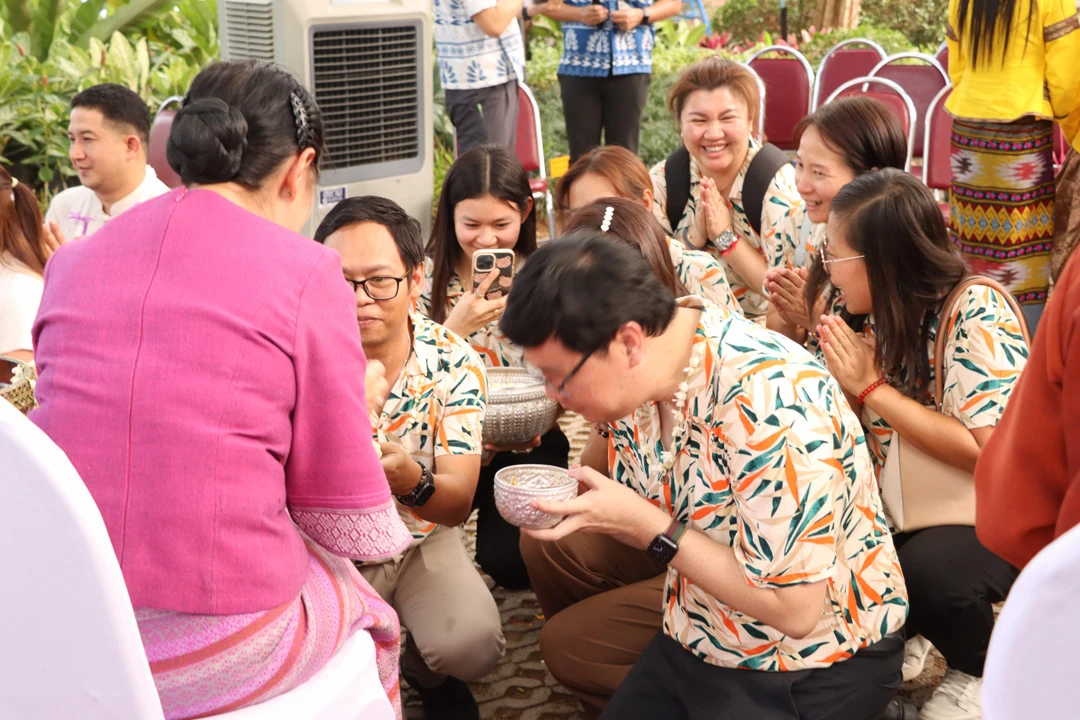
x=1013 y=66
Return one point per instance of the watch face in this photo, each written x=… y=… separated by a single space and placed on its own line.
x=662 y=549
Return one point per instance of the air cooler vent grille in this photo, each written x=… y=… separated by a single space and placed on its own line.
x=367 y=83
x=250 y=33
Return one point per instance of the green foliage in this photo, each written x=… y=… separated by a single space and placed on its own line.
x=162 y=49
x=922 y=22
x=892 y=40
x=746 y=20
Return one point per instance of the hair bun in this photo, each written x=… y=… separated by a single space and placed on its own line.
x=207 y=141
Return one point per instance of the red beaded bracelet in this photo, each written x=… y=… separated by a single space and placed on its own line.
x=871 y=388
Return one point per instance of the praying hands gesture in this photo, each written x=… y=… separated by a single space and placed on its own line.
x=603 y=506
x=54 y=237
x=787 y=293
x=714 y=214
x=850 y=356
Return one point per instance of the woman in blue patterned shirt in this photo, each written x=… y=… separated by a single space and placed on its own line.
x=606 y=67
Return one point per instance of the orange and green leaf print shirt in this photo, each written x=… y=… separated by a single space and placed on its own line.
x=774 y=464
x=436 y=406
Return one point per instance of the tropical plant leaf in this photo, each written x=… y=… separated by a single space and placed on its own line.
x=124 y=16
x=43 y=27
x=83 y=20
x=17 y=15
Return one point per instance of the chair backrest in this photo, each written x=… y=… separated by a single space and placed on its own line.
x=529 y=144
x=942 y=56
x=69 y=645
x=789 y=87
x=921 y=82
x=937 y=147
x=891 y=95
x=159 y=135
x=844 y=62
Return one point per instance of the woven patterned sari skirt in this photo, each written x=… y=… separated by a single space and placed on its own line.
x=209 y=664
x=1002 y=202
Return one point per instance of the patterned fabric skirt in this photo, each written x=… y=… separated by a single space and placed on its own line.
x=209 y=664
x=1002 y=202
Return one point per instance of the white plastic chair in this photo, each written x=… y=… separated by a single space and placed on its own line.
x=69 y=643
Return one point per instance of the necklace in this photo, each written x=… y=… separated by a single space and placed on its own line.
x=668 y=456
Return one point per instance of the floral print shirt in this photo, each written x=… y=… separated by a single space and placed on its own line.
x=776 y=242
x=774 y=464
x=494 y=348
x=604 y=50
x=436 y=406
x=702 y=275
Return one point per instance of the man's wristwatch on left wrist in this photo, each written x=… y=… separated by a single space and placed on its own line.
x=666 y=544
x=423 y=490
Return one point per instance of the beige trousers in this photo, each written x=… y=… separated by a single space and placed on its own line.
x=453 y=622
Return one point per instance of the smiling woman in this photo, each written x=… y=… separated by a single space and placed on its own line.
x=715 y=102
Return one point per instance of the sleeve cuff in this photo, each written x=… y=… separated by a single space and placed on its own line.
x=371 y=535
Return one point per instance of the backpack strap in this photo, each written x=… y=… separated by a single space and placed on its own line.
x=759 y=176
x=677 y=176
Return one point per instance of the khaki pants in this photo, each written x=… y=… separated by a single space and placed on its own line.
x=453 y=622
x=603 y=602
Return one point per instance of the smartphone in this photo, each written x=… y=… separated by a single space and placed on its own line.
x=484 y=262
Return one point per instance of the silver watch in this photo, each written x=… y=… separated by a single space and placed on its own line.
x=725 y=240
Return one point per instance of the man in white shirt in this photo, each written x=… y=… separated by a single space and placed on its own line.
x=109 y=132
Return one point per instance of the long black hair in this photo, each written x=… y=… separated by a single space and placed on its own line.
x=987 y=17
x=485 y=170
x=893 y=220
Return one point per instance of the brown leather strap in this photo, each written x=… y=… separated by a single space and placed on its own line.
x=943 y=329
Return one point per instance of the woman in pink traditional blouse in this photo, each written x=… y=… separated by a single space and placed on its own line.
x=188 y=357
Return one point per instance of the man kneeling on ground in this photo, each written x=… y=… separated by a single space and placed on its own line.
x=429 y=432
x=738 y=466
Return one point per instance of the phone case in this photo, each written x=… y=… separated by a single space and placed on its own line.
x=504 y=263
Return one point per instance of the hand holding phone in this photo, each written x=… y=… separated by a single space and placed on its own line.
x=486 y=262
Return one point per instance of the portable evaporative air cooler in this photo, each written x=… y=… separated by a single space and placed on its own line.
x=368 y=65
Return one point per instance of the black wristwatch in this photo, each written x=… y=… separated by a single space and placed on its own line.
x=645 y=19
x=423 y=490
x=666 y=544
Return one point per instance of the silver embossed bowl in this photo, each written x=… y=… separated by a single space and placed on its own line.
x=518 y=409
x=518 y=485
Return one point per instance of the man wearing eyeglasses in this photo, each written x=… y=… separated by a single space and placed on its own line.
x=429 y=432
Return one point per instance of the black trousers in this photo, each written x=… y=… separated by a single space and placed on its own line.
x=497 y=551
x=486 y=116
x=670 y=683
x=612 y=104
x=953 y=582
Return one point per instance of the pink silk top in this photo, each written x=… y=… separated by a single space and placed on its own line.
x=202 y=369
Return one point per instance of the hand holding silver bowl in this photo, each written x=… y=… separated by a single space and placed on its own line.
x=517 y=486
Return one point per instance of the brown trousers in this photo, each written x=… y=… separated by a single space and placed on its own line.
x=603 y=602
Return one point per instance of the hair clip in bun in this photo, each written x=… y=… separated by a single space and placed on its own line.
x=609 y=212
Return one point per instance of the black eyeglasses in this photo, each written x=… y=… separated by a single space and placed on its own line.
x=561 y=387
x=380 y=287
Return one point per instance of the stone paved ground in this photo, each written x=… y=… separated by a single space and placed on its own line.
x=520 y=687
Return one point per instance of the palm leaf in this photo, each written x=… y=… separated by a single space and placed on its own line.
x=125 y=15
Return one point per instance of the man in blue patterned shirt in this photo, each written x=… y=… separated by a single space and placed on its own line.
x=606 y=66
x=481 y=58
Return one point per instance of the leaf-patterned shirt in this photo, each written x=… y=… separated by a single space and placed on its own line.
x=494 y=348
x=604 y=50
x=774 y=464
x=468 y=58
x=776 y=242
x=702 y=275
x=436 y=406
x=984 y=355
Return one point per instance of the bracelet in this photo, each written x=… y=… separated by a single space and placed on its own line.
x=730 y=247
x=871 y=388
